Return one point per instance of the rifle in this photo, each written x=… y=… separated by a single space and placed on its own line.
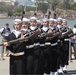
x=35 y=34
x=46 y=35
x=23 y=13
x=67 y=33
x=58 y=34
x=72 y=34
x=62 y=35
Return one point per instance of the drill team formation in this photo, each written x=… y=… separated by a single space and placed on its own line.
x=38 y=46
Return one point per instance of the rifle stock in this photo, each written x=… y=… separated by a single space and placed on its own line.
x=47 y=35
x=67 y=33
x=58 y=34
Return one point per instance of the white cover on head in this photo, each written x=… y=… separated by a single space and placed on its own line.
x=51 y=20
x=33 y=18
x=45 y=19
x=25 y=20
x=23 y=29
x=59 y=18
x=55 y=20
x=17 y=20
x=64 y=20
x=39 y=22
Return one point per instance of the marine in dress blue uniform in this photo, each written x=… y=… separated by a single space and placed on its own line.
x=44 y=47
x=16 y=50
x=54 y=48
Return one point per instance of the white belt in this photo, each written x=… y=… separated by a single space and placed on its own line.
x=29 y=46
x=42 y=45
x=66 y=39
x=63 y=33
x=54 y=44
x=47 y=43
x=58 y=40
x=36 y=44
x=17 y=54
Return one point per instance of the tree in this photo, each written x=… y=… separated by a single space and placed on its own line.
x=53 y=4
x=74 y=6
x=10 y=13
x=43 y=7
x=66 y=4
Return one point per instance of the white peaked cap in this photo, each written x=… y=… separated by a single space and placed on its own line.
x=55 y=20
x=51 y=20
x=17 y=20
x=33 y=18
x=23 y=29
x=64 y=20
x=45 y=19
x=59 y=18
x=25 y=20
x=39 y=22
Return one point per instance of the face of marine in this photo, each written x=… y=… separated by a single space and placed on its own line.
x=55 y=24
x=24 y=25
x=64 y=23
x=33 y=23
x=45 y=23
x=59 y=22
x=51 y=24
x=17 y=26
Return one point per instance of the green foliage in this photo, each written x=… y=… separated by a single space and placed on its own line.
x=10 y=13
x=17 y=14
x=53 y=4
x=18 y=10
x=67 y=4
x=2 y=7
x=43 y=7
x=74 y=6
x=29 y=8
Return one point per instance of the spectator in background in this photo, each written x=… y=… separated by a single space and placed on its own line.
x=74 y=41
x=5 y=31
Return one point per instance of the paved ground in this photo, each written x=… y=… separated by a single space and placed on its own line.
x=4 y=67
x=72 y=68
